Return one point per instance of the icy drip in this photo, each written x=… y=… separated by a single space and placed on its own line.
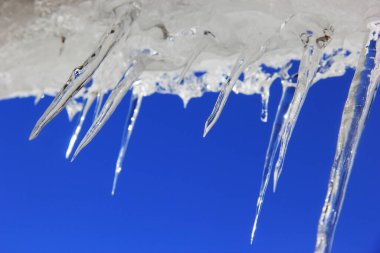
x=74 y=137
x=117 y=94
x=134 y=109
x=312 y=53
x=82 y=74
x=360 y=97
x=241 y=64
x=208 y=37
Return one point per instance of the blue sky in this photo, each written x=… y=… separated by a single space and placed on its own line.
x=179 y=192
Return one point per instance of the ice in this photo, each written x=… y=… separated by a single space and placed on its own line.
x=314 y=43
x=159 y=46
x=208 y=38
x=134 y=109
x=82 y=74
x=90 y=99
x=117 y=94
x=361 y=95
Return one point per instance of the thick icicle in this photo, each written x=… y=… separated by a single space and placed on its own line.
x=313 y=48
x=117 y=94
x=241 y=64
x=130 y=121
x=90 y=100
x=360 y=97
x=308 y=68
x=82 y=74
x=206 y=39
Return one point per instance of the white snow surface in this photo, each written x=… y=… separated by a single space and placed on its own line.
x=42 y=41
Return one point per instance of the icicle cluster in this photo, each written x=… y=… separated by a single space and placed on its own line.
x=188 y=47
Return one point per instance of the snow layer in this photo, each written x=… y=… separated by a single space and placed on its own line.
x=41 y=41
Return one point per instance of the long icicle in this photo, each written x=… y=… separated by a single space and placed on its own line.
x=134 y=109
x=360 y=97
x=241 y=64
x=117 y=94
x=82 y=74
x=202 y=45
x=98 y=105
x=74 y=137
x=307 y=70
x=288 y=90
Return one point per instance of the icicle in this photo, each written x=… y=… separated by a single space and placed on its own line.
x=98 y=106
x=117 y=94
x=130 y=121
x=89 y=101
x=307 y=70
x=206 y=39
x=82 y=74
x=38 y=98
x=243 y=61
x=287 y=96
x=248 y=57
x=264 y=103
x=360 y=97
x=288 y=89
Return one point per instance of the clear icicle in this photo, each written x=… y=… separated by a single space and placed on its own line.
x=241 y=64
x=117 y=94
x=360 y=97
x=98 y=106
x=130 y=121
x=82 y=74
x=288 y=91
x=264 y=102
x=307 y=70
x=90 y=100
x=207 y=38
x=287 y=96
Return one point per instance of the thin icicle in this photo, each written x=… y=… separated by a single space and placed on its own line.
x=117 y=94
x=287 y=96
x=264 y=104
x=206 y=39
x=130 y=121
x=82 y=74
x=241 y=64
x=360 y=97
x=308 y=67
x=89 y=101
x=98 y=106
x=288 y=89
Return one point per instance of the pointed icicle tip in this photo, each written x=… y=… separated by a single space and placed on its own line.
x=206 y=130
x=36 y=130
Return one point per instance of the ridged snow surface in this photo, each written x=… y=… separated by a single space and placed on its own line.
x=82 y=49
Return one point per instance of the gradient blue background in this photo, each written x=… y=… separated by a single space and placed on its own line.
x=179 y=192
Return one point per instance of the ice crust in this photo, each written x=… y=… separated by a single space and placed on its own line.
x=41 y=41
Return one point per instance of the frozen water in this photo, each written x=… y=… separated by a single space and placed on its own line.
x=187 y=48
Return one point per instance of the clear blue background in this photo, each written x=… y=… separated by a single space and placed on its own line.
x=179 y=192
